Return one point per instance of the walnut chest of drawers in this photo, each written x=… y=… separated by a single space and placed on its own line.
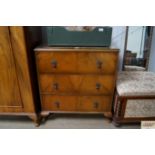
x=80 y=80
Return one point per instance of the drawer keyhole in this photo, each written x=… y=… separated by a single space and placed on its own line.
x=54 y=64
x=55 y=86
x=99 y=64
x=57 y=104
x=98 y=86
x=96 y=105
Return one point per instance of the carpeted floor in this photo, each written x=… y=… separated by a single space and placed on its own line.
x=62 y=122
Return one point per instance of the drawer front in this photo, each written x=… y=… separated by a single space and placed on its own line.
x=94 y=103
x=74 y=62
x=56 y=62
x=76 y=103
x=98 y=62
x=59 y=103
x=83 y=84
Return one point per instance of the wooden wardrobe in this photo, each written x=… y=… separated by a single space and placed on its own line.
x=18 y=92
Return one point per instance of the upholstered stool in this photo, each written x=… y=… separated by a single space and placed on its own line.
x=135 y=97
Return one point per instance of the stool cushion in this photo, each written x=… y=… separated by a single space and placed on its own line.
x=139 y=83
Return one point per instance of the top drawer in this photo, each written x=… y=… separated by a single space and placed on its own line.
x=77 y=62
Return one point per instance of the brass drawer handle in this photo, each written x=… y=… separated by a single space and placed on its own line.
x=57 y=104
x=96 y=105
x=98 y=86
x=55 y=86
x=54 y=63
x=99 y=64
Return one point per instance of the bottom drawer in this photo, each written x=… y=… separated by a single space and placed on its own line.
x=76 y=103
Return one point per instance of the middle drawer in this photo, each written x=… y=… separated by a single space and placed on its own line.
x=82 y=84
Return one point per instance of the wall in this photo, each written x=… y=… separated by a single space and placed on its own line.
x=151 y=66
x=118 y=41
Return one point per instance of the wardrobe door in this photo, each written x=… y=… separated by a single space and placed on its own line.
x=10 y=100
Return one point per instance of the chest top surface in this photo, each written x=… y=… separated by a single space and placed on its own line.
x=75 y=49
